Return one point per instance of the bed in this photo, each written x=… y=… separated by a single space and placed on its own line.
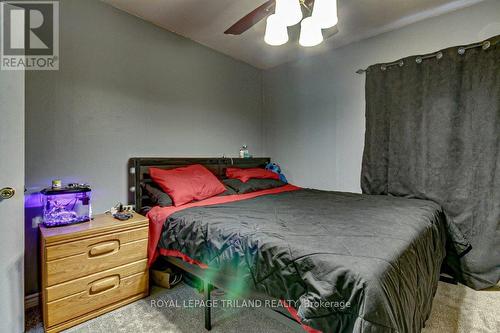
x=340 y=262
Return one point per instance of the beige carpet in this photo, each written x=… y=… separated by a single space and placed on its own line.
x=456 y=309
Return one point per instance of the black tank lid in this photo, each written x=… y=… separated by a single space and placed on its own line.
x=66 y=190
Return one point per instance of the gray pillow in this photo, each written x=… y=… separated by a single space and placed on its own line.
x=229 y=191
x=162 y=199
x=252 y=185
x=157 y=196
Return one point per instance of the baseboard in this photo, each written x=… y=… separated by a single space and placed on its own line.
x=31 y=300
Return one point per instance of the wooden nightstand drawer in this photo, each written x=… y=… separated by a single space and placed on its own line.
x=94 y=245
x=99 y=293
x=99 y=255
x=82 y=284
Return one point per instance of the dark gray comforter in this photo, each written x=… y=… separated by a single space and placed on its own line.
x=381 y=254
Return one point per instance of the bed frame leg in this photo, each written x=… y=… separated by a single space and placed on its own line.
x=207 y=288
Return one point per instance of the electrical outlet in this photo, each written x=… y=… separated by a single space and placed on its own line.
x=36 y=221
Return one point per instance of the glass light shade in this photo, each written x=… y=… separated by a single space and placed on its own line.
x=289 y=11
x=325 y=13
x=276 y=31
x=310 y=32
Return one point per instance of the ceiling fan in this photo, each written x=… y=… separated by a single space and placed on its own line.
x=322 y=14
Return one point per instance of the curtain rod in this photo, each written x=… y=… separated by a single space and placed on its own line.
x=438 y=55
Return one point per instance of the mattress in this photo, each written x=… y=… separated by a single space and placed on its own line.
x=322 y=251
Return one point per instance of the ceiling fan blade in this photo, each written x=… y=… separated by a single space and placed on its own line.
x=252 y=18
x=258 y=14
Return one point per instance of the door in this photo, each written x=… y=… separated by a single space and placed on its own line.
x=11 y=209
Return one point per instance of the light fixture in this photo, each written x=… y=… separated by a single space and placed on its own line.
x=289 y=10
x=276 y=31
x=325 y=13
x=310 y=32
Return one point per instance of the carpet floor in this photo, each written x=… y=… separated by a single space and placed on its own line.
x=456 y=309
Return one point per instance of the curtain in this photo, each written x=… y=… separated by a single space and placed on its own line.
x=433 y=132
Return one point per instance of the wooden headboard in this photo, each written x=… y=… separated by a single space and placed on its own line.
x=139 y=171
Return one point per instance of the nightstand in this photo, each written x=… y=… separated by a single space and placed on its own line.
x=91 y=268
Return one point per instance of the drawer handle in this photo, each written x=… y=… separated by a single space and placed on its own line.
x=104 y=248
x=104 y=284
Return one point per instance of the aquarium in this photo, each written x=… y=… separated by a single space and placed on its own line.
x=68 y=205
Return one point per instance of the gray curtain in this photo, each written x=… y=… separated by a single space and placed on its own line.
x=433 y=132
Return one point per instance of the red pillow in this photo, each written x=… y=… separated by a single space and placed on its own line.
x=245 y=174
x=183 y=185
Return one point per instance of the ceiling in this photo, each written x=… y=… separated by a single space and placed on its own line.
x=204 y=21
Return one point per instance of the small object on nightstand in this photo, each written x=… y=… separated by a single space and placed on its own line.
x=120 y=208
x=122 y=216
x=92 y=268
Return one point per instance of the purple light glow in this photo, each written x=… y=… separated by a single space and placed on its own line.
x=33 y=200
x=66 y=208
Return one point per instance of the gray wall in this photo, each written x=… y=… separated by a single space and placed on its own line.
x=127 y=88
x=314 y=107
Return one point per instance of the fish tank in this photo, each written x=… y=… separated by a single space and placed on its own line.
x=67 y=205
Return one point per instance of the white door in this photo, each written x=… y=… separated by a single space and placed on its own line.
x=12 y=209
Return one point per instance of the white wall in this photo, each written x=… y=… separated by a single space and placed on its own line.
x=314 y=107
